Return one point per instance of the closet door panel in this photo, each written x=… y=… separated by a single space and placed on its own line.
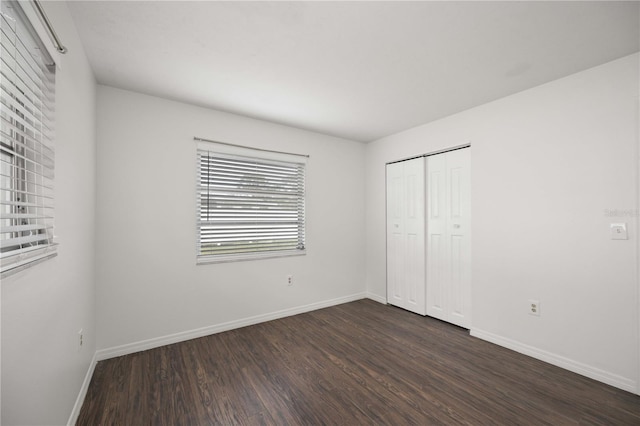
x=436 y=290
x=415 y=225
x=395 y=234
x=395 y=274
x=458 y=228
x=456 y=279
x=415 y=277
x=405 y=235
x=436 y=239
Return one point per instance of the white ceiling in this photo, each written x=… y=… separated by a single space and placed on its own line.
x=358 y=70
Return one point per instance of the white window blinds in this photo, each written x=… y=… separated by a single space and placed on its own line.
x=26 y=145
x=249 y=207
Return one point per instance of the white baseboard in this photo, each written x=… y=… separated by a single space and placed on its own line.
x=559 y=361
x=377 y=298
x=73 y=418
x=218 y=328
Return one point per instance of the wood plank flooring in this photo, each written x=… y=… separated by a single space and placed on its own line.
x=354 y=364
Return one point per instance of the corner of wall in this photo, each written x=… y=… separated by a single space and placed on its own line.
x=75 y=412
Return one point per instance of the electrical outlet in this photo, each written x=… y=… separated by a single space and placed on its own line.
x=289 y=280
x=80 y=338
x=534 y=307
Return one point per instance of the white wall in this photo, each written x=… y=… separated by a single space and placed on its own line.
x=148 y=285
x=44 y=307
x=546 y=164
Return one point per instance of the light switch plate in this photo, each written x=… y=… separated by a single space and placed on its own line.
x=619 y=231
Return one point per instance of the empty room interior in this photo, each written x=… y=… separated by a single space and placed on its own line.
x=320 y=212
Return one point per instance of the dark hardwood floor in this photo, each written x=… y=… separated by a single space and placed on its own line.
x=352 y=364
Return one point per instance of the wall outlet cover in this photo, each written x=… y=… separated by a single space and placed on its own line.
x=619 y=231
x=534 y=307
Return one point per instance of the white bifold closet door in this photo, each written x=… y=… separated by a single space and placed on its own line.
x=406 y=235
x=448 y=237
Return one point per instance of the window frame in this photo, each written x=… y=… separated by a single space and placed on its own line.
x=249 y=155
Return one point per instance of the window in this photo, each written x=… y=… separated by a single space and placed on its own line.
x=26 y=151
x=249 y=207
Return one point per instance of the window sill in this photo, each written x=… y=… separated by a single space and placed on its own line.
x=205 y=260
x=27 y=262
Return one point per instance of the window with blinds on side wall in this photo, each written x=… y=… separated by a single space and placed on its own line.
x=249 y=207
x=26 y=144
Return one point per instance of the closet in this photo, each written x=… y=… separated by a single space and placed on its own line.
x=428 y=236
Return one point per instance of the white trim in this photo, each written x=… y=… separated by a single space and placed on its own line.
x=73 y=418
x=377 y=298
x=637 y=247
x=557 y=360
x=156 y=342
